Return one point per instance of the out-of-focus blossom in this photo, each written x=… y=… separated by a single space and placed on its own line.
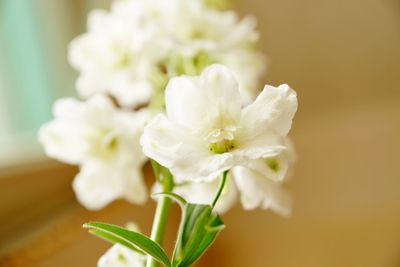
x=104 y=141
x=206 y=131
x=120 y=256
x=133 y=50
x=115 y=57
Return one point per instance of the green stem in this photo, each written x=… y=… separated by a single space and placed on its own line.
x=221 y=187
x=162 y=211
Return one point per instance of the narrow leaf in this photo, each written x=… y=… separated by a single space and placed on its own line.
x=198 y=229
x=178 y=199
x=195 y=226
x=212 y=229
x=114 y=239
x=123 y=236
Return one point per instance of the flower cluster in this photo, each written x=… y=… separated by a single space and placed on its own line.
x=130 y=53
x=133 y=50
x=176 y=82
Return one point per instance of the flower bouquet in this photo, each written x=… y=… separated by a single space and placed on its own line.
x=175 y=82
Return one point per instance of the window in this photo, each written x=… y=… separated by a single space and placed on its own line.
x=34 y=36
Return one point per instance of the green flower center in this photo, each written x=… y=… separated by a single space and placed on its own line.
x=222 y=146
x=103 y=142
x=221 y=139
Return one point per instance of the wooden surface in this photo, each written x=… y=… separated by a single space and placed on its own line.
x=62 y=240
x=343 y=58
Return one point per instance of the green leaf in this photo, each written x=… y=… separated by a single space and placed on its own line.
x=114 y=239
x=198 y=229
x=178 y=199
x=129 y=239
x=194 y=251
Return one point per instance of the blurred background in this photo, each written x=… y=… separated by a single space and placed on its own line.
x=343 y=59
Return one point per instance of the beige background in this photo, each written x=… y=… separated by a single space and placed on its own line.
x=343 y=58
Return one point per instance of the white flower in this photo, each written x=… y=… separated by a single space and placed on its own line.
x=104 y=141
x=206 y=132
x=120 y=256
x=116 y=56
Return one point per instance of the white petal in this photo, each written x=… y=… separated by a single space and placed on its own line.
x=257 y=190
x=161 y=139
x=184 y=101
x=134 y=188
x=97 y=109
x=274 y=168
x=272 y=111
x=200 y=167
x=255 y=146
x=77 y=50
x=131 y=94
x=64 y=137
x=266 y=122
x=174 y=147
x=97 y=185
x=94 y=187
x=88 y=85
x=203 y=101
x=204 y=193
x=222 y=89
x=62 y=142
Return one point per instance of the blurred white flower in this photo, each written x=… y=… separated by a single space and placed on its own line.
x=104 y=141
x=197 y=32
x=205 y=130
x=131 y=51
x=192 y=27
x=120 y=256
x=114 y=57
